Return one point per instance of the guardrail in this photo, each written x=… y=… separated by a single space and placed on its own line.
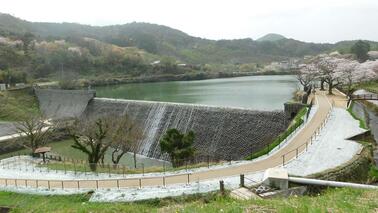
x=293 y=154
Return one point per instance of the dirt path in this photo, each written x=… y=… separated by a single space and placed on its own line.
x=296 y=145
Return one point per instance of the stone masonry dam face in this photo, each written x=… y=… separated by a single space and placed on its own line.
x=220 y=132
x=225 y=133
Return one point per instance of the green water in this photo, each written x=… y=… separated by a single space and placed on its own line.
x=255 y=92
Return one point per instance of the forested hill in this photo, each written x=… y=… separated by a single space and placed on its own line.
x=42 y=50
x=162 y=40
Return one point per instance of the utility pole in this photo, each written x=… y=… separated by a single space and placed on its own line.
x=61 y=71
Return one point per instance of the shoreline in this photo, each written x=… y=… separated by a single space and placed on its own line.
x=168 y=78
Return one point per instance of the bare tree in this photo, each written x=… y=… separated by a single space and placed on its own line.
x=90 y=136
x=36 y=131
x=125 y=136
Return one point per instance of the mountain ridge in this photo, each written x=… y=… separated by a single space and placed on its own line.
x=166 y=41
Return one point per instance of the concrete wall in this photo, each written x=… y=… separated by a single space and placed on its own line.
x=227 y=133
x=59 y=104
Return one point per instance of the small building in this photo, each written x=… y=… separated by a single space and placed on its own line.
x=373 y=55
x=3 y=87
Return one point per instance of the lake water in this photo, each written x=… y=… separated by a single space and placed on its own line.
x=254 y=92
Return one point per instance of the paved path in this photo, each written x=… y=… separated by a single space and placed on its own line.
x=274 y=160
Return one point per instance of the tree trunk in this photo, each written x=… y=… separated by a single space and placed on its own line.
x=93 y=166
x=330 y=87
x=322 y=84
x=135 y=160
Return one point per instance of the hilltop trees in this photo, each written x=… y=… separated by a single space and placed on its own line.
x=360 y=49
x=178 y=146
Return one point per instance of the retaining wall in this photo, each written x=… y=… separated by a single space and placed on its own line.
x=58 y=104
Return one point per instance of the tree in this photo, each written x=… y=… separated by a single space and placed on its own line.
x=27 y=38
x=36 y=131
x=125 y=136
x=178 y=146
x=90 y=137
x=328 y=72
x=347 y=70
x=360 y=49
x=306 y=76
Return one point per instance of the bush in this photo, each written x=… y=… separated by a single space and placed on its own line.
x=298 y=121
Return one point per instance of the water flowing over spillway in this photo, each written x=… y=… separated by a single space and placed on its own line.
x=227 y=133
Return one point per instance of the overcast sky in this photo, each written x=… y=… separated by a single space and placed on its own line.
x=306 y=20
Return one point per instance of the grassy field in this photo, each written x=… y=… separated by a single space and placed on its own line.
x=331 y=200
x=371 y=86
x=16 y=104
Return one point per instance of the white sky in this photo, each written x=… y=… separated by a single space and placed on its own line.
x=306 y=20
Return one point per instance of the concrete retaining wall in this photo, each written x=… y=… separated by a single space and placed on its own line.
x=227 y=133
x=59 y=104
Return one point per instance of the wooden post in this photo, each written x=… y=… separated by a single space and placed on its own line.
x=62 y=185
x=221 y=187
x=296 y=153
x=164 y=181
x=188 y=178
x=118 y=183
x=48 y=184
x=96 y=184
x=140 y=183
x=241 y=180
x=283 y=160
x=78 y=184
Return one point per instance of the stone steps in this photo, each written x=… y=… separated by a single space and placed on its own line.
x=243 y=194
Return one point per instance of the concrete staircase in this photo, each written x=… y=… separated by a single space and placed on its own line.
x=244 y=194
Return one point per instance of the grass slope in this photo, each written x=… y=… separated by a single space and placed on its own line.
x=332 y=200
x=16 y=104
x=297 y=121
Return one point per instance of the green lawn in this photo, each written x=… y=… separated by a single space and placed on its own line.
x=331 y=200
x=16 y=104
x=371 y=86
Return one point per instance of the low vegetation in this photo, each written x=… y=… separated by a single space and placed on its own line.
x=297 y=121
x=361 y=120
x=16 y=105
x=331 y=200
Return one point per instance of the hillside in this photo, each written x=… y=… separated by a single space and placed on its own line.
x=162 y=40
x=271 y=37
x=128 y=50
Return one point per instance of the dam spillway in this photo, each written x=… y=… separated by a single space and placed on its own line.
x=221 y=132
x=228 y=133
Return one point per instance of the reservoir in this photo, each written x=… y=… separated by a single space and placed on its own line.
x=253 y=92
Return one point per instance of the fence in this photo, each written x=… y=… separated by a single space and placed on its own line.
x=293 y=154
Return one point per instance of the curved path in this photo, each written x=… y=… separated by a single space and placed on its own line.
x=297 y=144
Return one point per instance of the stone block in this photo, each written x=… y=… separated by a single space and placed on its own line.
x=276 y=178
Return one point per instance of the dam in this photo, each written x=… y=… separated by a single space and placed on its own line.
x=223 y=132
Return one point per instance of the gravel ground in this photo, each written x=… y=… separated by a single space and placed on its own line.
x=331 y=149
